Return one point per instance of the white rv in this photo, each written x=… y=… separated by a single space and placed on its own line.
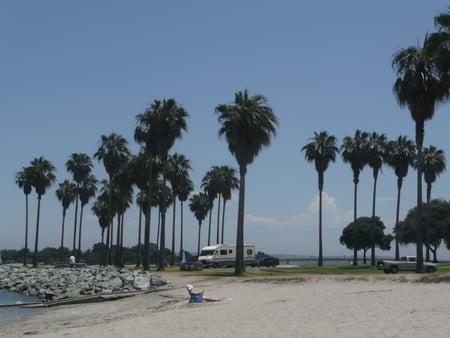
x=225 y=255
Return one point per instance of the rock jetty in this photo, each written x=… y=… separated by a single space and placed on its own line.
x=56 y=284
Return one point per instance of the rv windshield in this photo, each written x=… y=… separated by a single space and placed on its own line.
x=207 y=252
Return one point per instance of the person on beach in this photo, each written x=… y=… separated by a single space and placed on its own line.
x=72 y=261
x=198 y=297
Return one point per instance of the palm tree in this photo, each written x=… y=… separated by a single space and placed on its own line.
x=230 y=182
x=186 y=189
x=178 y=169
x=113 y=151
x=42 y=177
x=158 y=128
x=199 y=205
x=80 y=165
x=101 y=210
x=433 y=166
x=87 y=190
x=23 y=180
x=354 y=152
x=321 y=150
x=248 y=125
x=401 y=155
x=66 y=195
x=376 y=149
x=419 y=87
x=212 y=185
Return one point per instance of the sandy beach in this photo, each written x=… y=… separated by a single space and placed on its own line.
x=304 y=306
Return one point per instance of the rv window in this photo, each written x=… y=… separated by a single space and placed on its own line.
x=223 y=252
x=206 y=252
x=249 y=251
x=230 y=251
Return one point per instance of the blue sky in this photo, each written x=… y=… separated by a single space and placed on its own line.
x=73 y=71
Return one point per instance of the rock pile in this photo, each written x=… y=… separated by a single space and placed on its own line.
x=56 y=284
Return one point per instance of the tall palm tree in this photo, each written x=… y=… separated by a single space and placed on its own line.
x=376 y=150
x=42 y=177
x=178 y=169
x=113 y=151
x=80 y=165
x=419 y=87
x=86 y=191
x=433 y=166
x=66 y=195
x=212 y=185
x=101 y=210
x=321 y=150
x=159 y=126
x=199 y=205
x=230 y=182
x=186 y=189
x=23 y=180
x=401 y=155
x=248 y=125
x=353 y=151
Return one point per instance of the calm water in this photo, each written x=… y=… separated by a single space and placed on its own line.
x=7 y=297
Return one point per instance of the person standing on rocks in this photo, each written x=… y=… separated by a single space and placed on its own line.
x=71 y=261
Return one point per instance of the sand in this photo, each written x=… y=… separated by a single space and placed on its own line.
x=312 y=306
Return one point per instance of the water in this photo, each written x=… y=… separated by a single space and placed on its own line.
x=7 y=297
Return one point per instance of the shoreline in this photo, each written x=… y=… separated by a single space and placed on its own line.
x=291 y=306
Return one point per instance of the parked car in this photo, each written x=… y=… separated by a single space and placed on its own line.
x=268 y=261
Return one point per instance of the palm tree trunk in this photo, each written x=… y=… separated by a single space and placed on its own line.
x=209 y=227
x=61 y=247
x=162 y=247
x=181 y=229
x=75 y=222
x=320 y=178
x=223 y=220
x=374 y=198
x=397 y=218
x=36 y=240
x=419 y=239
x=198 y=241
x=138 y=251
x=110 y=220
x=172 y=260
x=117 y=259
x=146 y=263
x=122 y=223
x=218 y=218
x=25 y=255
x=240 y=267
x=355 y=206
x=79 y=233
x=427 y=225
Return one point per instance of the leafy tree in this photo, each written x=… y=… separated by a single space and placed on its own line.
x=66 y=195
x=42 y=177
x=433 y=166
x=376 y=152
x=438 y=220
x=321 y=150
x=178 y=170
x=113 y=151
x=199 y=205
x=419 y=87
x=353 y=151
x=230 y=182
x=86 y=191
x=248 y=125
x=401 y=155
x=365 y=233
x=186 y=189
x=159 y=126
x=23 y=180
x=80 y=165
x=212 y=185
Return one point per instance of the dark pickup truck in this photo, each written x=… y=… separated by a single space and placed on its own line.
x=267 y=261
